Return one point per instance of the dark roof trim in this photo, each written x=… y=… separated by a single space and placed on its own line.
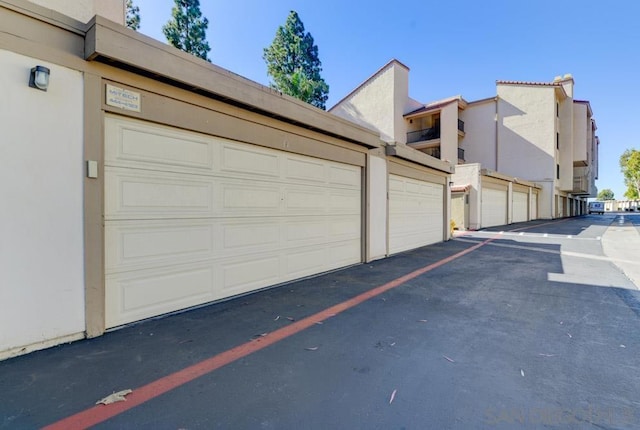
x=121 y=47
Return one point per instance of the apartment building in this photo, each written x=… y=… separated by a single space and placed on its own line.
x=529 y=152
x=538 y=132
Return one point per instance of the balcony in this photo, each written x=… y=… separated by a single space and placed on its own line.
x=580 y=185
x=461 y=125
x=433 y=151
x=422 y=135
x=460 y=155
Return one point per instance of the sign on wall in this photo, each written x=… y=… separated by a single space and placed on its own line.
x=124 y=99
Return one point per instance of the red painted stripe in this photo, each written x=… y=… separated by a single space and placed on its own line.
x=100 y=413
x=470 y=232
x=538 y=225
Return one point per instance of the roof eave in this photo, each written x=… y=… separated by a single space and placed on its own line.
x=121 y=47
x=367 y=81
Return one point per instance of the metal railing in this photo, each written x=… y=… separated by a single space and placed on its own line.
x=434 y=152
x=461 y=125
x=460 y=154
x=579 y=183
x=425 y=134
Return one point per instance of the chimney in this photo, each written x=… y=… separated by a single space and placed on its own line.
x=567 y=84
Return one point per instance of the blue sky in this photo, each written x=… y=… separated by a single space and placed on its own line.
x=452 y=47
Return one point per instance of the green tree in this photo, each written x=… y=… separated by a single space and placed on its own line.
x=606 y=194
x=293 y=63
x=187 y=28
x=630 y=166
x=133 y=16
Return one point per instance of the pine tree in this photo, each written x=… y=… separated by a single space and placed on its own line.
x=293 y=63
x=187 y=28
x=133 y=16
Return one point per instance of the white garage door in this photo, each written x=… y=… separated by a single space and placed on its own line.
x=415 y=213
x=520 y=206
x=494 y=207
x=190 y=218
x=534 y=206
x=458 y=210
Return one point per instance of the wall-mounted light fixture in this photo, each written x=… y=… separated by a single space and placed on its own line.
x=451 y=184
x=39 y=78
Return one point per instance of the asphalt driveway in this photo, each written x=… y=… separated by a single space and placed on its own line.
x=528 y=325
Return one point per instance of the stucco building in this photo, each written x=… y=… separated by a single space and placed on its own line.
x=529 y=152
x=538 y=131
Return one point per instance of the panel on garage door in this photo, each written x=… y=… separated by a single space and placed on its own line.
x=520 y=206
x=415 y=213
x=494 y=207
x=191 y=218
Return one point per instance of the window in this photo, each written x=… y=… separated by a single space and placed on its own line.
x=557 y=140
x=557 y=109
x=557 y=171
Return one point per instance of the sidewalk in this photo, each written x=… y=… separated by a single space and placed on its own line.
x=621 y=243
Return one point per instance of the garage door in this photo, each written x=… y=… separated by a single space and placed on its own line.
x=534 y=206
x=458 y=210
x=415 y=213
x=520 y=206
x=190 y=218
x=494 y=207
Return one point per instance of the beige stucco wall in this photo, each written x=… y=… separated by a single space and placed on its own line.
x=565 y=153
x=527 y=127
x=546 y=200
x=567 y=85
x=449 y=133
x=84 y=10
x=373 y=105
x=377 y=177
x=592 y=154
x=401 y=102
x=479 y=142
x=581 y=130
x=595 y=154
x=41 y=177
x=526 y=132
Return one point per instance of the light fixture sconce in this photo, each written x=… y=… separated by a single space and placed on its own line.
x=39 y=78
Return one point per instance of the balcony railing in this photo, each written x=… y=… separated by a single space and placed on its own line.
x=434 y=152
x=580 y=184
x=460 y=154
x=461 y=125
x=425 y=134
